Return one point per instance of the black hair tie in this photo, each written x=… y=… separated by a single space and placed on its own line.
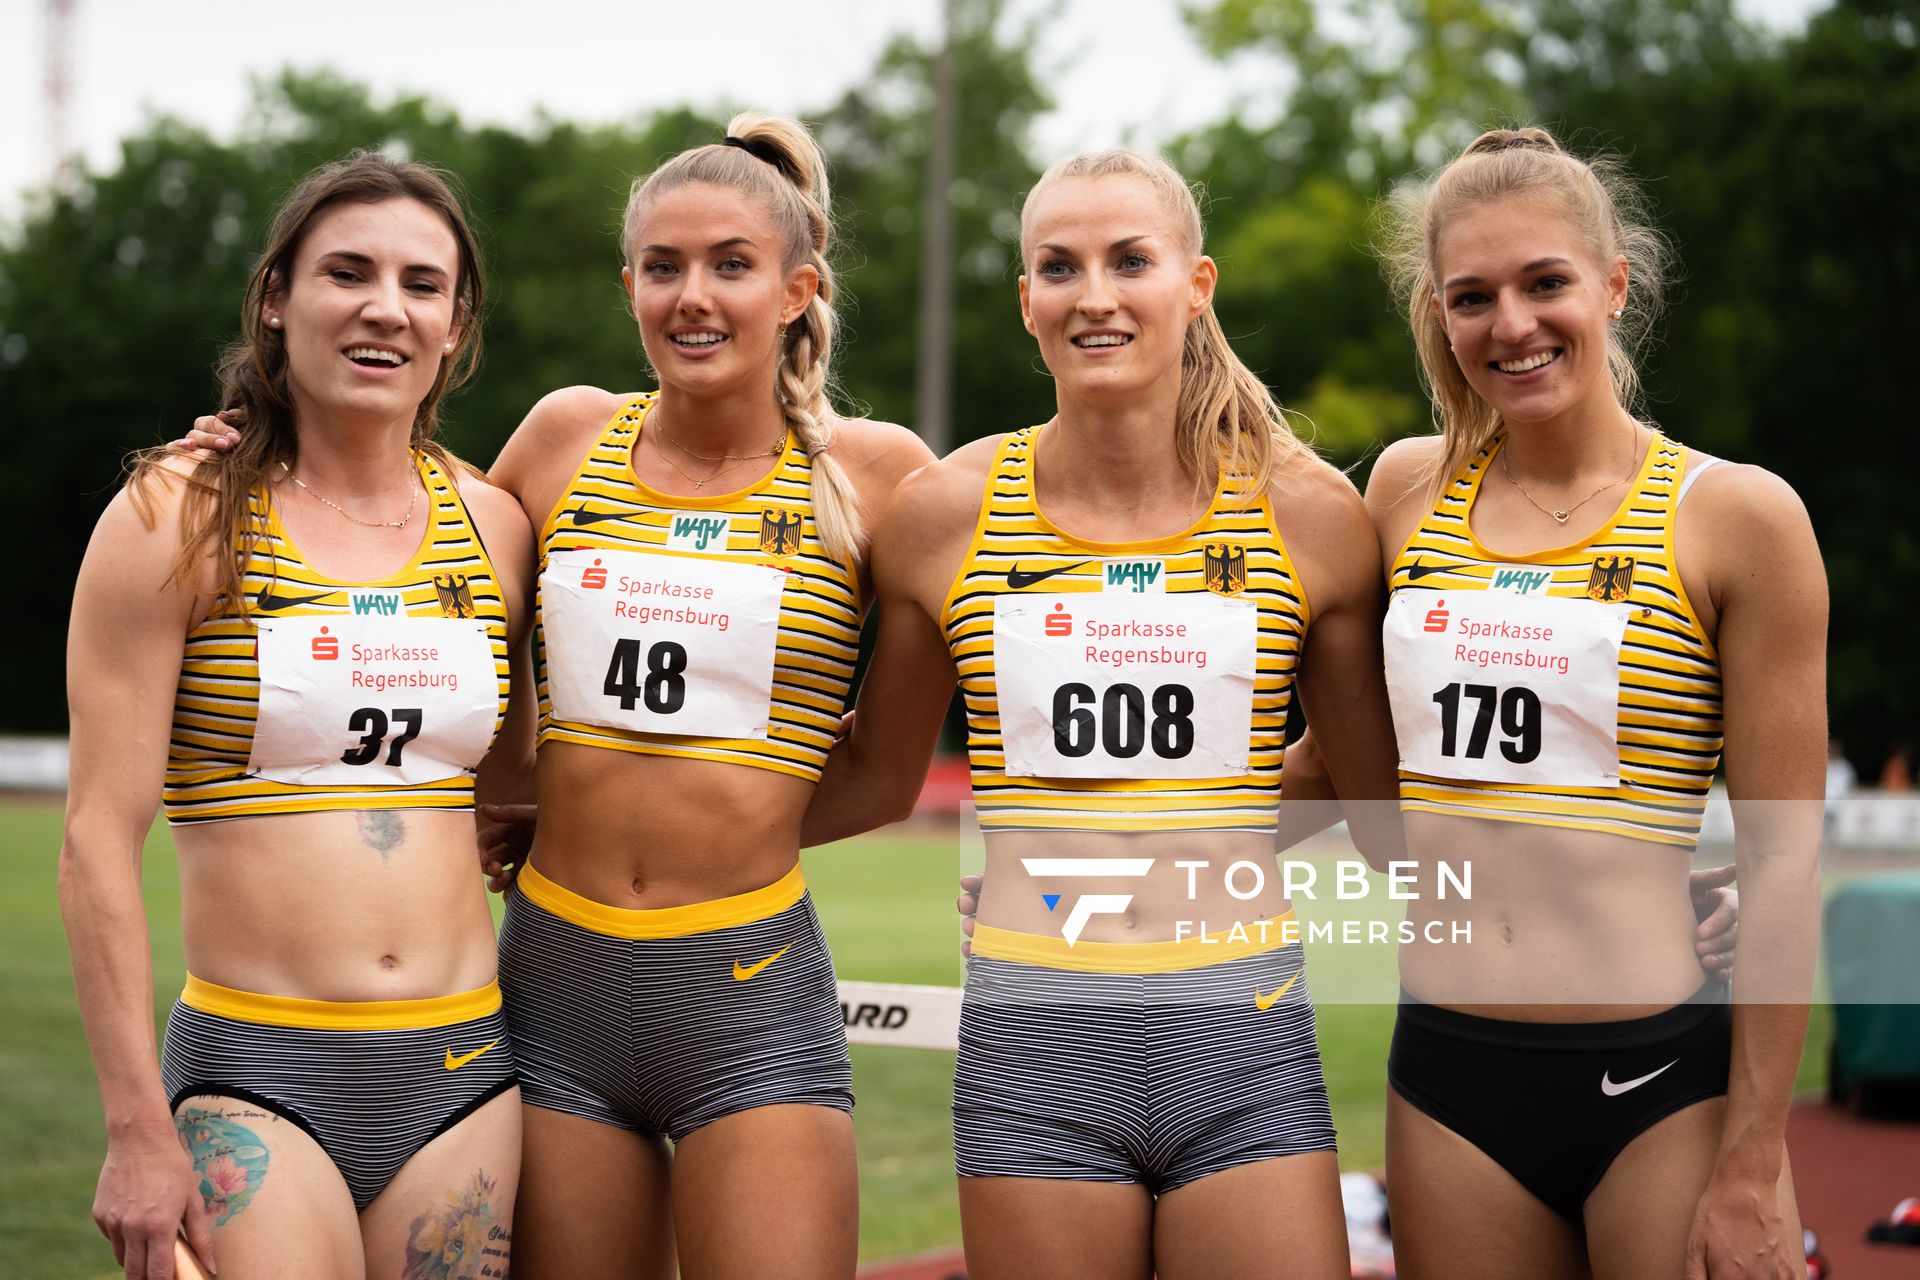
x=758 y=149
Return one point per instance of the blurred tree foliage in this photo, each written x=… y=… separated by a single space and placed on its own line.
x=1787 y=170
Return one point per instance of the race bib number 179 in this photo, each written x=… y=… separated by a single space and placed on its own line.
x=1490 y=686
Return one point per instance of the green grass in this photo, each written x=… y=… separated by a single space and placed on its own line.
x=887 y=905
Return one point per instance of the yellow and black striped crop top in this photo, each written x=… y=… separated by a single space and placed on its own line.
x=1669 y=702
x=1235 y=552
x=214 y=765
x=813 y=614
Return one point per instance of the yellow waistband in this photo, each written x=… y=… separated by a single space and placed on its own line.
x=1242 y=940
x=332 y=1015
x=662 y=922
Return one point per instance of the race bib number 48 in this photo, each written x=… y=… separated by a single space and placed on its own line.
x=1125 y=686
x=1489 y=686
x=370 y=701
x=660 y=643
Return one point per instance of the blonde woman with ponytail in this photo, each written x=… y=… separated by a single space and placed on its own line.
x=1566 y=1097
x=1129 y=596
x=702 y=585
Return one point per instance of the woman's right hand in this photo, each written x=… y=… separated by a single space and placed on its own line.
x=148 y=1191
x=968 y=905
x=505 y=842
x=218 y=431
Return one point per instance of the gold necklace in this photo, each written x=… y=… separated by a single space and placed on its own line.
x=725 y=459
x=779 y=446
x=1561 y=517
x=413 y=496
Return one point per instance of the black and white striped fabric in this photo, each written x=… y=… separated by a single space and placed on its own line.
x=371 y=1099
x=662 y=1035
x=1156 y=1078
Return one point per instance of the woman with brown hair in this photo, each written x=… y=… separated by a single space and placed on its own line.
x=303 y=644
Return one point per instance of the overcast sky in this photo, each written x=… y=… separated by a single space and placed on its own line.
x=1124 y=70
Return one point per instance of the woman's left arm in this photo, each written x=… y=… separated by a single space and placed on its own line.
x=1769 y=591
x=505 y=776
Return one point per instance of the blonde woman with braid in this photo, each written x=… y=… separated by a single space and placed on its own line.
x=700 y=597
x=701 y=591
x=1130 y=596
x=1567 y=1098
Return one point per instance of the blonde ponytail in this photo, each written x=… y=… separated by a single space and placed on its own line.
x=777 y=162
x=1227 y=422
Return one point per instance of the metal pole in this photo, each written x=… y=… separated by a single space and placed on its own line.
x=933 y=365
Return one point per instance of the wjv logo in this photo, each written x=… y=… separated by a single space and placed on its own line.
x=385 y=603
x=1089 y=905
x=1522 y=581
x=697 y=533
x=1138 y=576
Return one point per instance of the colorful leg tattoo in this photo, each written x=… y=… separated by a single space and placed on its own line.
x=463 y=1239
x=229 y=1157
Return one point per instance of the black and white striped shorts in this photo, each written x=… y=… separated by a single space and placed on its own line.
x=372 y=1082
x=660 y=1021
x=1157 y=1078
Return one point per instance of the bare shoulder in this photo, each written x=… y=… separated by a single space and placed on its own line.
x=1314 y=501
x=1399 y=476
x=549 y=442
x=1744 y=511
x=877 y=455
x=1324 y=523
x=493 y=508
x=932 y=512
x=561 y=418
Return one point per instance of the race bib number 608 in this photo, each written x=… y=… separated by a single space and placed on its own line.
x=1133 y=686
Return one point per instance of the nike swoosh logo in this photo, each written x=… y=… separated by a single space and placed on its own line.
x=1612 y=1090
x=265 y=601
x=582 y=518
x=454 y=1064
x=1263 y=1003
x=1417 y=571
x=742 y=972
x=1017 y=580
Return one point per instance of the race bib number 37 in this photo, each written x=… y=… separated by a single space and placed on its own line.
x=364 y=701
x=1489 y=686
x=1125 y=686
x=660 y=643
